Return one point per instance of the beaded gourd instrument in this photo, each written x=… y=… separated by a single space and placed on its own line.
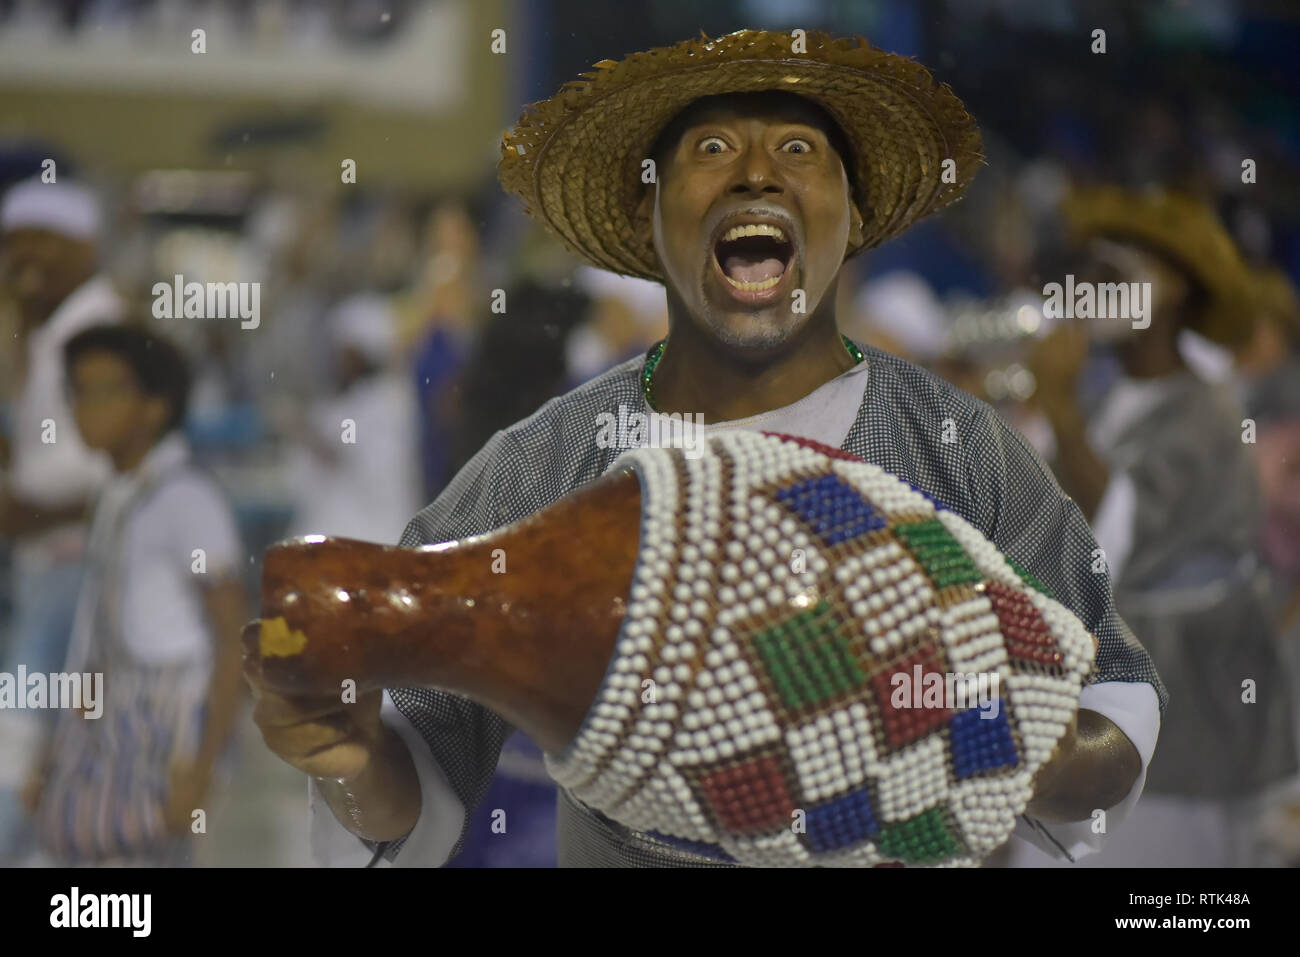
x=751 y=710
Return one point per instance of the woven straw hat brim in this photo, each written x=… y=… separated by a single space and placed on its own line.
x=576 y=159
x=1185 y=231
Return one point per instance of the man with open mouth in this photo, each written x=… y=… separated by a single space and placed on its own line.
x=775 y=157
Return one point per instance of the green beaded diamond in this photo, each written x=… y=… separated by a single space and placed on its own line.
x=922 y=838
x=1026 y=577
x=808 y=657
x=939 y=553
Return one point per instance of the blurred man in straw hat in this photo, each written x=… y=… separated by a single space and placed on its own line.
x=1167 y=476
x=1267 y=377
x=739 y=172
x=1267 y=371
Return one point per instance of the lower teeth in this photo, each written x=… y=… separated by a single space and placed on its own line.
x=753 y=286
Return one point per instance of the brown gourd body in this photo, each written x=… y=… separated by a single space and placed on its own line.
x=522 y=620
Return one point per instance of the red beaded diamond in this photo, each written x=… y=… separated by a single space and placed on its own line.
x=914 y=720
x=749 y=797
x=1028 y=638
x=826 y=450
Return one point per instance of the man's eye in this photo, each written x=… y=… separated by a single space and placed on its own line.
x=713 y=144
x=797 y=146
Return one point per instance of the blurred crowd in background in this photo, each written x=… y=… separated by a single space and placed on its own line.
x=381 y=299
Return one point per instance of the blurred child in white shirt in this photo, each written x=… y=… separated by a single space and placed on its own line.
x=159 y=616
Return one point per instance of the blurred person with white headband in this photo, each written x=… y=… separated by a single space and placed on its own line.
x=900 y=313
x=1266 y=377
x=49 y=267
x=628 y=316
x=355 y=470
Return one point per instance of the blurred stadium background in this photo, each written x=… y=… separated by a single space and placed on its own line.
x=225 y=166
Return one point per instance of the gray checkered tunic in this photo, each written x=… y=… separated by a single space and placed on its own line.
x=990 y=476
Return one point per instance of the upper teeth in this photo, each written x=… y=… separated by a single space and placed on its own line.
x=753 y=229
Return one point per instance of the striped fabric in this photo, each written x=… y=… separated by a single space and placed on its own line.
x=106 y=796
x=107 y=784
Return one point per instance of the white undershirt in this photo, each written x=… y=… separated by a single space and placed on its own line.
x=825 y=415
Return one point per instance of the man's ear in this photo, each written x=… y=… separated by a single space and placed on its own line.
x=856 y=224
x=643 y=216
x=157 y=410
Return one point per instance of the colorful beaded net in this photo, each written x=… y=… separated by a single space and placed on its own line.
x=821 y=666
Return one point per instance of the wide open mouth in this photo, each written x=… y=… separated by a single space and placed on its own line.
x=754 y=256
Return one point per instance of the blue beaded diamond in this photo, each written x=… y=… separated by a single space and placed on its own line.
x=845 y=821
x=939 y=506
x=831 y=507
x=981 y=744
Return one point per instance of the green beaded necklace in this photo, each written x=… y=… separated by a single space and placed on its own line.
x=657 y=350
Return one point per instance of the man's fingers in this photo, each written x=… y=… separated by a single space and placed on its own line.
x=276 y=710
x=317 y=734
x=320 y=735
x=251 y=667
x=320 y=749
x=306 y=737
x=346 y=760
x=251 y=637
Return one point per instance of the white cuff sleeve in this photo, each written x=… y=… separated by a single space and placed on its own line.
x=430 y=843
x=1134 y=708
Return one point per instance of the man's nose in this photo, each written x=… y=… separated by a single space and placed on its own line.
x=757 y=174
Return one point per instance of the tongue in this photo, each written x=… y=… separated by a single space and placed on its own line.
x=747 y=269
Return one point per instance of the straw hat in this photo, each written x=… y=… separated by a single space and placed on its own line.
x=576 y=158
x=1183 y=230
x=1276 y=297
